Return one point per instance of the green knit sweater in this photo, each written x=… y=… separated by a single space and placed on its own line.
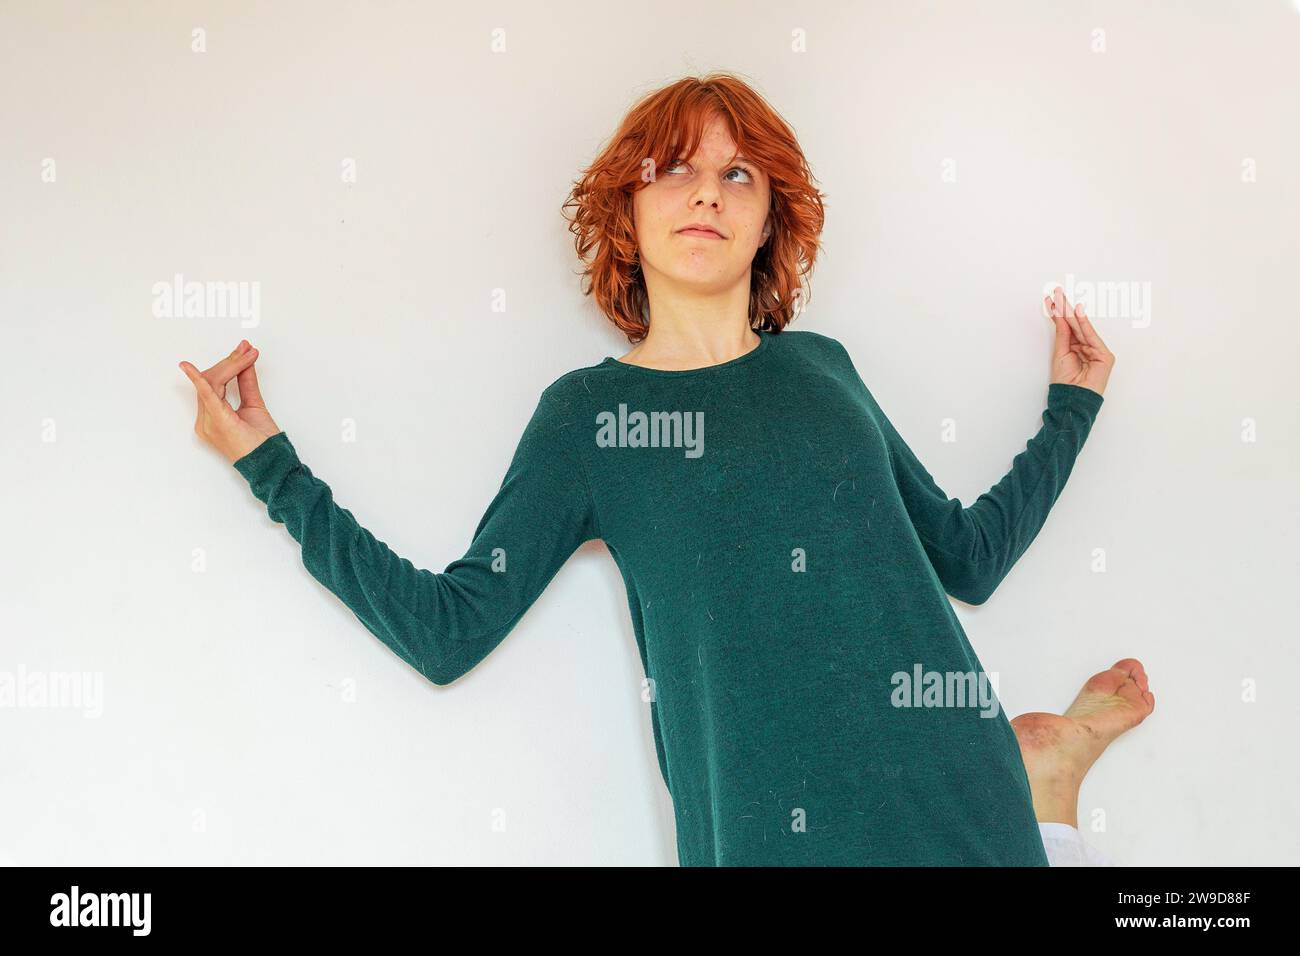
x=813 y=697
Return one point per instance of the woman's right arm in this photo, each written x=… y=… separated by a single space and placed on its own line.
x=444 y=623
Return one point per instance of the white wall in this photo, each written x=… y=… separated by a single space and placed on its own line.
x=225 y=735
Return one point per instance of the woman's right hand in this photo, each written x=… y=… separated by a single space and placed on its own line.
x=232 y=433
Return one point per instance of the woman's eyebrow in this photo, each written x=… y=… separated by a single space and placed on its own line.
x=739 y=158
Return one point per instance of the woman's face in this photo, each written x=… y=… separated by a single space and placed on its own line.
x=731 y=197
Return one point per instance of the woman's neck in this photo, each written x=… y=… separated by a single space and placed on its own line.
x=676 y=345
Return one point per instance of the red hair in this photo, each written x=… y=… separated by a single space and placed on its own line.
x=667 y=125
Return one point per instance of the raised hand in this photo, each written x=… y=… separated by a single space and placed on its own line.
x=1079 y=357
x=232 y=433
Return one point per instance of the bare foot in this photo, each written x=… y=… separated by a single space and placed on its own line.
x=1058 y=749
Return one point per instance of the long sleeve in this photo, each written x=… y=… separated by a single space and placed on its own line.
x=973 y=548
x=444 y=623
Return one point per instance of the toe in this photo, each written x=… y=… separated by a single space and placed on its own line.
x=1132 y=667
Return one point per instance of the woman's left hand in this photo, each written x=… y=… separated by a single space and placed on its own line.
x=1079 y=357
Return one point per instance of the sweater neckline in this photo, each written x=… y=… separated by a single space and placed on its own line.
x=763 y=339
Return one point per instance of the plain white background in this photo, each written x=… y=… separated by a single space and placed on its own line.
x=971 y=155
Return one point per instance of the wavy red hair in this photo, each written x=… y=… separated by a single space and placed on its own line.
x=668 y=124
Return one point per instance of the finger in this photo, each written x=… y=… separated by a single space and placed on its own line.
x=209 y=401
x=217 y=363
x=1089 y=340
x=250 y=395
x=1054 y=309
x=1056 y=299
x=225 y=371
x=1090 y=335
x=1072 y=313
x=221 y=374
x=1064 y=307
x=218 y=369
x=1076 y=315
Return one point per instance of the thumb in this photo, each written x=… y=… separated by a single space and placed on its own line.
x=213 y=404
x=1064 y=337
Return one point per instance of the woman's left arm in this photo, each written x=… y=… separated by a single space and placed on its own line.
x=972 y=549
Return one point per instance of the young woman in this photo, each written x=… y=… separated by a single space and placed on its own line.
x=787 y=558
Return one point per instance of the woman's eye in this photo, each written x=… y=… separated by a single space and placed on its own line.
x=734 y=169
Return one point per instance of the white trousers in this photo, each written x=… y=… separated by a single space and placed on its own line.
x=1065 y=846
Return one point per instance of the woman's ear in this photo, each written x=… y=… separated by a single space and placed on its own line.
x=767 y=230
